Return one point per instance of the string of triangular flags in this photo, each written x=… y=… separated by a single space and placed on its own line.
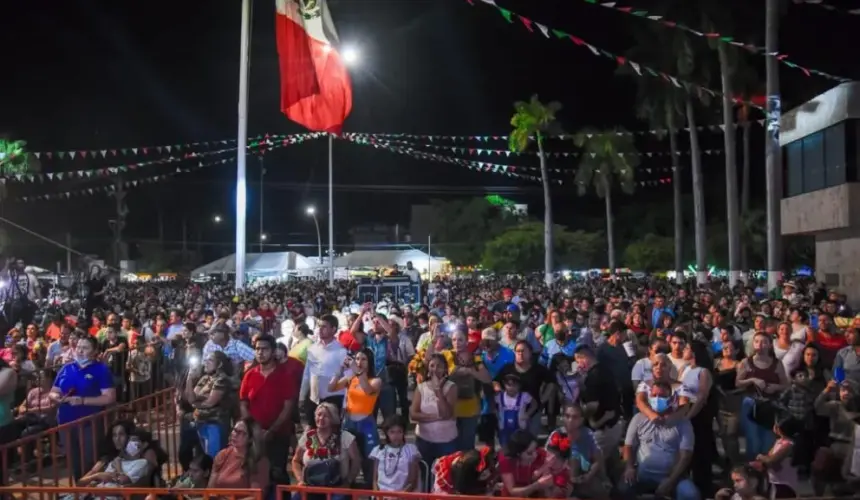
x=508 y=153
x=258 y=145
x=640 y=69
x=828 y=6
x=513 y=171
x=713 y=35
x=658 y=132
x=81 y=154
x=132 y=183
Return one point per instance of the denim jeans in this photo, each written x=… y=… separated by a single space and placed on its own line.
x=648 y=483
x=367 y=435
x=386 y=402
x=213 y=437
x=467 y=428
x=759 y=439
x=432 y=451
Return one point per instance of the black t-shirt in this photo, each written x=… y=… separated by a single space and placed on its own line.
x=95 y=286
x=530 y=380
x=116 y=360
x=599 y=385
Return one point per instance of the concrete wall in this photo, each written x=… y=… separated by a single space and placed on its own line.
x=824 y=210
x=837 y=263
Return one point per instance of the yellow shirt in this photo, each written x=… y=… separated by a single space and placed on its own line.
x=469 y=407
x=300 y=350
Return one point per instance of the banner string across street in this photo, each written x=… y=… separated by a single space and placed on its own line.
x=828 y=6
x=713 y=35
x=640 y=69
x=508 y=153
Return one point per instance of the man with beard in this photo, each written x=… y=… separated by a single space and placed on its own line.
x=268 y=394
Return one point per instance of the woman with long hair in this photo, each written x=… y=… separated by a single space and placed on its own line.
x=210 y=396
x=697 y=381
x=433 y=411
x=362 y=392
x=534 y=378
x=326 y=456
x=518 y=463
x=242 y=464
x=725 y=369
x=129 y=467
x=471 y=472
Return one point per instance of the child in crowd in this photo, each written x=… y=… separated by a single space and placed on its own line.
x=557 y=459
x=513 y=406
x=781 y=472
x=566 y=376
x=396 y=461
x=746 y=485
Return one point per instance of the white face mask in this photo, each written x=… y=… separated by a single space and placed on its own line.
x=132 y=448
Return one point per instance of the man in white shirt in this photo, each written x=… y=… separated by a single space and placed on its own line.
x=412 y=273
x=325 y=357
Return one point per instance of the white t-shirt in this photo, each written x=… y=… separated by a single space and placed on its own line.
x=392 y=465
x=642 y=371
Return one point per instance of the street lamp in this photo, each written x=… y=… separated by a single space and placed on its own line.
x=217 y=219
x=313 y=213
x=263 y=237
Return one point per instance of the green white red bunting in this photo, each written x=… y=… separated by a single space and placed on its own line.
x=508 y=153
x=642 y=70
x=828 y=6
x=513 y=171
x=720 y=37
x=258 y=145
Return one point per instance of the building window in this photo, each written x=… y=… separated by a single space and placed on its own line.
x=813 y=162
x=794 y=166
x=834 y=155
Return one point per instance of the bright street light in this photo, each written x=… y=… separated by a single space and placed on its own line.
x=311 y=211
x=217 y=219
x=263 y=237
x=351 y=56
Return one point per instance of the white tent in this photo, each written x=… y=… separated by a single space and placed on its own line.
x=260 y=264
x=385 y=258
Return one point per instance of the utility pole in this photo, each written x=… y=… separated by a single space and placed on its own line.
x=118 y=224
x=68 y=253
x=262 y=173
x=772 y=162
x=184 y=238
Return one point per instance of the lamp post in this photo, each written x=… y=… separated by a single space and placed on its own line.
x=217 y=219
x=313 y=213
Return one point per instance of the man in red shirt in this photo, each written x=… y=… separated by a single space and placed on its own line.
x=268 y=394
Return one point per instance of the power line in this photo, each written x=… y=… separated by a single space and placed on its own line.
x=381 y=188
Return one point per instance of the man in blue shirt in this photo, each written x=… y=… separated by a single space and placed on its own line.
x=494 y=356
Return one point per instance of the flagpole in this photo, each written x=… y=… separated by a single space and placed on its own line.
x=331 y=210
x=242 y=144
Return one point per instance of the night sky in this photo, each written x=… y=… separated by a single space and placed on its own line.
x=98 y=74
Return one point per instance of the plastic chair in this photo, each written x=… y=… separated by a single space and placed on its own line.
x=425 y=476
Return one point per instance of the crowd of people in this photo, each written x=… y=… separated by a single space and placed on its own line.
x=501 y=386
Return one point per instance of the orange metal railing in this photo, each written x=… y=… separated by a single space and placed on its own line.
x=44 y=459
x=54 y=492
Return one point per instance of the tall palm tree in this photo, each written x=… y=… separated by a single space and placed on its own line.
x=14 y=160
x=606 y=158
x=535 y=120
x=662 y=106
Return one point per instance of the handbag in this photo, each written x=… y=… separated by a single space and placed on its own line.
x=323 y=473
x=764 y=411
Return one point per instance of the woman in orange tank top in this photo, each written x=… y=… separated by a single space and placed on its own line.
x=362 y=391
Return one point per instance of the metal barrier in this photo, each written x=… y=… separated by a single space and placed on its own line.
x=309 y=492
x=48 y=458
x=46 y=493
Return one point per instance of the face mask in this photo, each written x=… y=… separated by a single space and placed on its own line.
x=659 y=404
x=82 y=361
x=132 y=448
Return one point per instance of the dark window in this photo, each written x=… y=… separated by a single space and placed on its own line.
x=834 y=155
x=813 y=162
x=794 y=166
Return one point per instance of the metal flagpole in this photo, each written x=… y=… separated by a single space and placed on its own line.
x=330 y=210
x=242 y=144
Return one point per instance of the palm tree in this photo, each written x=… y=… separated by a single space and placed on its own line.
x=15 y=160
x=773 y=173
x=607 y=157
x=661 y=106
x=535 y=120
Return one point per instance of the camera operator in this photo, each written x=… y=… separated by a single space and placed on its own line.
x=21 y=292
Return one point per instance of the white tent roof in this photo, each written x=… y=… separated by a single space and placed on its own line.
x=380 y=258
x=258 y=263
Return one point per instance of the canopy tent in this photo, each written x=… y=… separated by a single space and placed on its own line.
x=261 y=264
x=386 y=258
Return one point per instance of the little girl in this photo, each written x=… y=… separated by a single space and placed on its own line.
x=746 y=484
x=513 y=407
x=558 y=451
x=566 y=377
x=396 y=461
x=781 y=473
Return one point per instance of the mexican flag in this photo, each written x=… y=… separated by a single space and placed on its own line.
x=315 y=88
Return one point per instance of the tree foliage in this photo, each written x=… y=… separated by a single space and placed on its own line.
x=607 y=157
x=14 y=158
x=651 y=253
x=462 y=228
x=520 y=249
x=532 y=119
